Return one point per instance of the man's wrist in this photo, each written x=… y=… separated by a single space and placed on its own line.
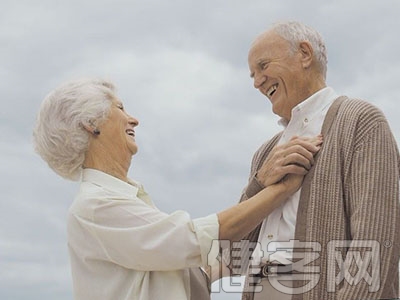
x=258 y=181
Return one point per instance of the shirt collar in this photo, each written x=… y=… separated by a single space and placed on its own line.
x=110 y=182
x=312 y=106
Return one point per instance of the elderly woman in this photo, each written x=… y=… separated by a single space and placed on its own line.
x=121 y=246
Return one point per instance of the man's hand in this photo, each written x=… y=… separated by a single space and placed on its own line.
x=294 y=157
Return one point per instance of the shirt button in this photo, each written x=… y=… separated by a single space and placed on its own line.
x=270 y=236
x=305 y=120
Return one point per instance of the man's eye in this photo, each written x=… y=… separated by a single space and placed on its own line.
x=264 y=66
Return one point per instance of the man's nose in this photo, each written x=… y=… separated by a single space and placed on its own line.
x=259 y=80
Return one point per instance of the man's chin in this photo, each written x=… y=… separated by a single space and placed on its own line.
x=277 y=111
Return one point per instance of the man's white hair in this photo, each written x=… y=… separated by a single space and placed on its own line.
x=296 y=32
x=59 y=136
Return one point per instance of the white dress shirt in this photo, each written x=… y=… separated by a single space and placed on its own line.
x=279 y=227
x=122 y=247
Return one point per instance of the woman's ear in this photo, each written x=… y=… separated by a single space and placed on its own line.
x=307 y=54
x=90 y=127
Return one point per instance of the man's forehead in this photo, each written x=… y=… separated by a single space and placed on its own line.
x=262 y=37
x=269 y=41
x=267 y=36
x=259 y=47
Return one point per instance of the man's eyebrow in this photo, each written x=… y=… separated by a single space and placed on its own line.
x=258 y=62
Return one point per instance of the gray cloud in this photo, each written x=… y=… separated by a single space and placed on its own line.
x=181 y=68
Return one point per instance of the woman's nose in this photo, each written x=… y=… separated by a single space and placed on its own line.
x=133 y=121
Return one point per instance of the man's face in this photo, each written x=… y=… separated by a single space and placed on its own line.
x=278 y=73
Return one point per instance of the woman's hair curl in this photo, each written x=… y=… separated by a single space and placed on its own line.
x=59 y=136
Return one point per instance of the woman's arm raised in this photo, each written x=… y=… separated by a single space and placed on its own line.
x=242 y=218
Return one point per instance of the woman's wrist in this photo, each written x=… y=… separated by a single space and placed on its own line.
x=277 y=191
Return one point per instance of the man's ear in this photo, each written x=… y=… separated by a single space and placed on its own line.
x=307 y=54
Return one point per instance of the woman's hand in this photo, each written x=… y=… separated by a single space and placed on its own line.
x=282 y=174
x=294 y=157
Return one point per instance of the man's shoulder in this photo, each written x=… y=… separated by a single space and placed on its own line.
x=357 y=118
x=360 y=109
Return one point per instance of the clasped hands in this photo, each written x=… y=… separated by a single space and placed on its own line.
x=287 y=164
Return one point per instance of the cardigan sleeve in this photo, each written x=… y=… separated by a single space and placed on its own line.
x=254 y=186
x=374 y=214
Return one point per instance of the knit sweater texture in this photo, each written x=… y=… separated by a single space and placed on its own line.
x=350 y=194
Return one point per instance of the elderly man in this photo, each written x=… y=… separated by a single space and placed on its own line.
x=338 y=236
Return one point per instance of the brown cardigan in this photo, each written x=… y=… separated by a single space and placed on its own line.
x=351 y=193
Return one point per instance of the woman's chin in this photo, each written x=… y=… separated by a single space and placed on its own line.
x=133 y=150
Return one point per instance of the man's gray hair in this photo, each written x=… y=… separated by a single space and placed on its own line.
x=296 y=32
x=59 y=136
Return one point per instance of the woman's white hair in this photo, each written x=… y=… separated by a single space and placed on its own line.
x=296 y=32
x=59 y=136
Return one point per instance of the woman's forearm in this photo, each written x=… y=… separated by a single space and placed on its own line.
x=239 y=220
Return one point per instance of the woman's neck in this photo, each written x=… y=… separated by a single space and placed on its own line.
x=107 y=163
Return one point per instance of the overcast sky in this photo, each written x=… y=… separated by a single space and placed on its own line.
x=180 y=67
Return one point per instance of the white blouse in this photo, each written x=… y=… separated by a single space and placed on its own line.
x=122 y=247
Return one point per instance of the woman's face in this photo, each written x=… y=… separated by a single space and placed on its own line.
x=118 y=131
